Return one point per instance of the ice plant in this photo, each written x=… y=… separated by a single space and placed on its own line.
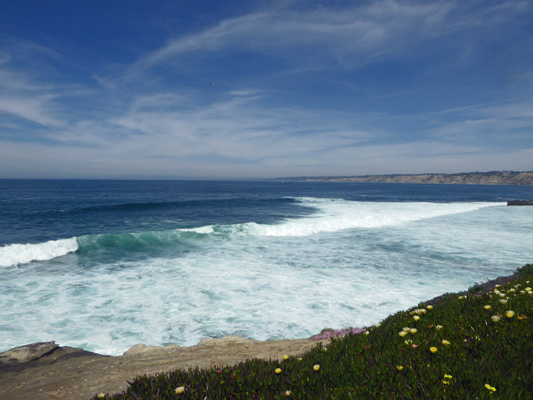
x=180 y=389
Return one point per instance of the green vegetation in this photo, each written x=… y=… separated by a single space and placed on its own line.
x=477 y=345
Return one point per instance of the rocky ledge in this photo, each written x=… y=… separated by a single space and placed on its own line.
x=45 y=370
x=520 y=203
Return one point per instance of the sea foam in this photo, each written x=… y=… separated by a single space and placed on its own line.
x=15 y=254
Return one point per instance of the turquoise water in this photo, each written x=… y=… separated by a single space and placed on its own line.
x=104 y=265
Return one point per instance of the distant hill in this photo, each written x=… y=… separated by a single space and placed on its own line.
x=464 y=178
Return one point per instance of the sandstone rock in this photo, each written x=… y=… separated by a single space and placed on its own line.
x=26 y=353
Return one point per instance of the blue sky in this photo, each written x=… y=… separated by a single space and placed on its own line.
x=258 y=89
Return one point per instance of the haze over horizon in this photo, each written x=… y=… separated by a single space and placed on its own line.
x=264 y=89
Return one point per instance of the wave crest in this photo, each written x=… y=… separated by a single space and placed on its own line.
x=15 y=254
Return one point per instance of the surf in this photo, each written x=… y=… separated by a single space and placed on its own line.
x=331 y=215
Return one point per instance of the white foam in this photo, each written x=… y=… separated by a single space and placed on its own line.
x=203 y=229
x=336 y=215
x=15 y=254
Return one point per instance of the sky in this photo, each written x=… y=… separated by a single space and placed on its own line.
x=131 y=89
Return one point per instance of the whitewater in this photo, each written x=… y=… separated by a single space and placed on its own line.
x=104 y=268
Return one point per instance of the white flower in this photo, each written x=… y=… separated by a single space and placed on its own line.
x=180 y=389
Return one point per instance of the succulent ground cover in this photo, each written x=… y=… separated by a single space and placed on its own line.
x=472 y=345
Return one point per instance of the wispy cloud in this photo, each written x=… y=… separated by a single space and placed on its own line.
x=355 y=112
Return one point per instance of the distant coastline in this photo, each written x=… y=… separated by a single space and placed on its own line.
x=463 y=178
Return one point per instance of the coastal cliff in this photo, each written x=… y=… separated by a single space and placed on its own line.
x=465 y=178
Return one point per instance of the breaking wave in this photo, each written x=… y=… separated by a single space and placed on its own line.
x=332 y=215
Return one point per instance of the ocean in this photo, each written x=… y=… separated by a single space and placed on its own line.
x=103 y=265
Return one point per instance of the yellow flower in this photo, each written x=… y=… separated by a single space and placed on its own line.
x=316 y=367
x=287 y=357
x=408 y=342
x=429 y=307
x=438 y=327
x=495 y=318
x=402 y=333
x=509 y=314
x=277 y=370
x=503 y=301
x=416 y=317
x=101 y=396
x=445 y=342
x=491 y=388
x=496 y=285
x=406 y=329
x=288 y=393
x=446 y=382
x=522 y=317
x=446 y=376
x=528 y=289
x=399 y=367
x=433 y=349
x=487 y=307
x=460 y=297
x=367 y=333
x=179 y=390
x=413 y=330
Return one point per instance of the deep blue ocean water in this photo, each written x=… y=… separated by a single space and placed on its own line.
x=104 y=265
